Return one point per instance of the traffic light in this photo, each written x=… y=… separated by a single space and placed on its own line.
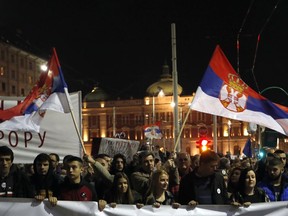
x=203 y=144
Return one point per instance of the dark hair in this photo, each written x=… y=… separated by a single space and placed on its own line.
x=74 y=158
x=66 y=157
x=56 y=155
x=279 y=151
x=224 y=163
x=4 y=150
x=242 y=179
x=145 y=154
x=41 y=158
x=113 y=164
x=114 y=195
x=231 y=187
x=208 y=156
x=275 y=162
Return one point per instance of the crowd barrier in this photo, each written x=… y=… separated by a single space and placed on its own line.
x=23 y=207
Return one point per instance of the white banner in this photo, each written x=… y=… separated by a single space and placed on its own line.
x=15 y=207
x=112 y=146
x=57 y=134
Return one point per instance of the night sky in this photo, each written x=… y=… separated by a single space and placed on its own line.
x=121 y=45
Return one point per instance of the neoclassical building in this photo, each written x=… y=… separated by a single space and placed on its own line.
x=103 y=117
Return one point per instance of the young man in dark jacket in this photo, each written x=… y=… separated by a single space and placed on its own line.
x=204 y=185
x=13 y=181
x=74 y=187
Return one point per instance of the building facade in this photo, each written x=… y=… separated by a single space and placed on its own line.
x=127 y=118
x=19 y=70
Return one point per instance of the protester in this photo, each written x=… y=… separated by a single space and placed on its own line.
x=195 y=161
x=283 y=157
x=107 y=158
x=274 y=183
x=118 y=164
x=140 y=178
x=121 y=192
x=55 y=159
x=101 y=177
x=44 y=181
x=233 y=180
x=184 y=166
x=248 y=192
x=204 y=185
x=13 y=182
x=158 y=193
x=74 y=186
x=266 y=155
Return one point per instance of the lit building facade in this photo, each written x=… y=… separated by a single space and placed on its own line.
x=19 y=70
x=111 y=118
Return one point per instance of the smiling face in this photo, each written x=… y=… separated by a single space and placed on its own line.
x=163 y=181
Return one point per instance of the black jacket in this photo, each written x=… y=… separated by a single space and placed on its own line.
x=188 y=190
x=16 y=184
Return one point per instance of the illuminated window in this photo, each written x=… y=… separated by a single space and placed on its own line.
x=2 y=71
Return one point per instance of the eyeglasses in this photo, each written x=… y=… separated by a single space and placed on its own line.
x=183 y=159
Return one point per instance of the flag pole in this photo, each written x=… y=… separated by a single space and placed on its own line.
x=180 y=132
x=74 y=121
x=175 y=88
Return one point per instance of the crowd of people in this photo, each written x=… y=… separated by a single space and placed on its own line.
x=173 y=179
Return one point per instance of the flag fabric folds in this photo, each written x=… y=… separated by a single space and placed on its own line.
x=49 y=93
x=223 y=93
x=248 y=149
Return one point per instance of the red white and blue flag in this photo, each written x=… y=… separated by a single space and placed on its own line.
x=223 y=93
x=153 y=131
x=49 y=93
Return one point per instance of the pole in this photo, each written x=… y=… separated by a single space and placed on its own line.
x=74 y=121
x=114 y=121
x=182 y=127
x=215 y=133
x=175 y=86
x=153 y=109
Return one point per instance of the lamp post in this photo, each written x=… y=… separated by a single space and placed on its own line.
x=229 y=130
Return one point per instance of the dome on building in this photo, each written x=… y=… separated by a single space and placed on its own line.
x=165 y=83
x=97 y=94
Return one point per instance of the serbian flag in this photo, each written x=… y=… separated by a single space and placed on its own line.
x=49 y=93
x=153 y=131
x=223 y=93
x=248 y=149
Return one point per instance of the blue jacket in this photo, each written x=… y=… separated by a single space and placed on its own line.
x=269 y=189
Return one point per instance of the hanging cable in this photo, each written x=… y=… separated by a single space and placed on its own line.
x=257 y=43
x=238 y=35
